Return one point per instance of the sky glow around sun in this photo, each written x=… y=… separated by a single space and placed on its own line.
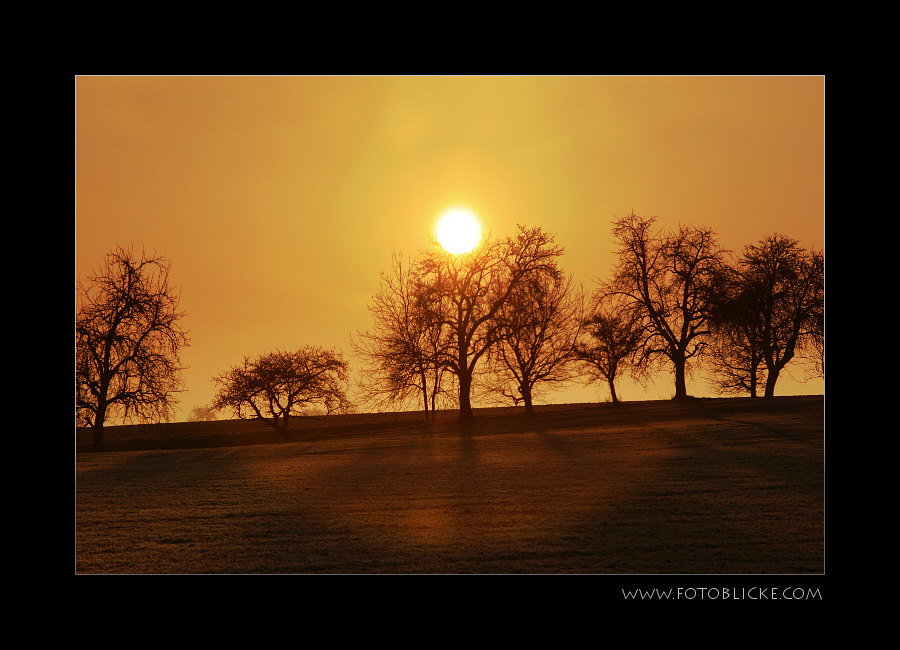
x=296 y=192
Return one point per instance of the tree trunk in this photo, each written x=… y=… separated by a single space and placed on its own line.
x=612 y=391
x=465 y=399
x=680 y=383
x=526 y=396
x=98 y=437
x=771 y=378
x=774 y=367
x=97 y=429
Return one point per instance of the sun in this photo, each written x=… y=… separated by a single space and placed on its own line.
x=458 y=230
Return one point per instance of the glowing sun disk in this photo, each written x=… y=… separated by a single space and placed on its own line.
x=458 y=231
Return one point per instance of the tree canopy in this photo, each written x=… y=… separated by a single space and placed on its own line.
x=539 y=325
x=128 y=340
x=275 y=386
x=400 y=354
x=770 y=309
x=462 y=295
x=610 y=344
x=664 y=280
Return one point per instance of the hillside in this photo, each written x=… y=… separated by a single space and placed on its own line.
x=233 y=433
x=727 y=486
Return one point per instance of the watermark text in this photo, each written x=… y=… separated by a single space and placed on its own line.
x=724 y=593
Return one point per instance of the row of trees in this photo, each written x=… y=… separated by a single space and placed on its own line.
x=437 y=319
x=504 y=318
x=127 y=357
x=674 y=299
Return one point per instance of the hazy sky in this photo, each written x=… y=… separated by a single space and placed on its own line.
x=279 y=200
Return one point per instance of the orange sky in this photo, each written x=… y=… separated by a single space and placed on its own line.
x=279 y=200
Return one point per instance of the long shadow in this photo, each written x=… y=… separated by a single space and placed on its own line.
x=285 y=529
x=733 y=497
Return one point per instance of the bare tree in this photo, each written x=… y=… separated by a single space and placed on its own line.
x=611 y=344
x=538 y=327
x=735 y=348
x=400 y=354
x=785 y=284
x=664 y=281
x=202 y=414
x=463 y=293
x=128 y=339
x=274 y=387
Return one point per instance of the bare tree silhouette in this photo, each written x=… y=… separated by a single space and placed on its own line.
x=128 y=339
x=401 y=354
x=274 y=387
x=462 y=295
x=611 y=344
x=735 y=348
x=773 y=312
x=664 y=281
x=538 y=327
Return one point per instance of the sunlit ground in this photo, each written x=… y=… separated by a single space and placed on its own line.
x=662 y=488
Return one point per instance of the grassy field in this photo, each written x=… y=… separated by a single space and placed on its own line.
x=707 y=486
